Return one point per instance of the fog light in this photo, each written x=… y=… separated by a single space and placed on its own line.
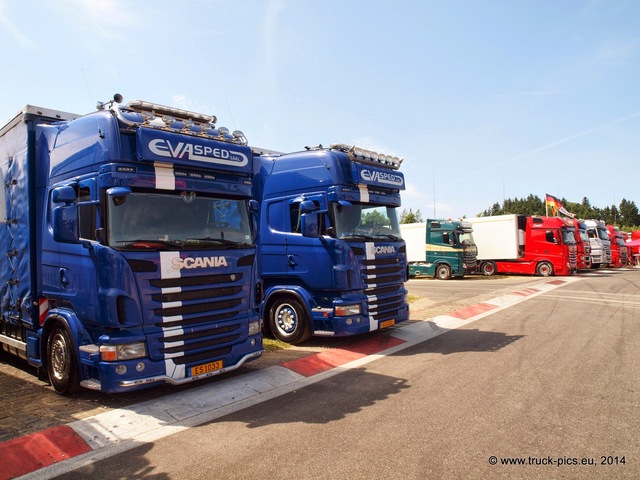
x=140 y=367
x=254 y=328
x=121 y=369
x=253 y=342
x=344 y=310
x=127 y=351
x=349 y=321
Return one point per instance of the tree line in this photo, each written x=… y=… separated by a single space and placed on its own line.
x=626 y=215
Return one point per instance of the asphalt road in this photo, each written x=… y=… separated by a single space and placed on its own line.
x=30 y=404
x=548 y=388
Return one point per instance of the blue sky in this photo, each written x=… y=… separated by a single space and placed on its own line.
x=485 y=100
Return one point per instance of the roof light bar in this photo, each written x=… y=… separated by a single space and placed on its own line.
x=169 y=118
x=162 y=110
x=369 y=156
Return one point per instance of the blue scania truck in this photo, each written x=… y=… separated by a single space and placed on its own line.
x=128 y=240
x=331 y=256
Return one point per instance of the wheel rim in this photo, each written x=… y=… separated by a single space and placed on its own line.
x=59 y=360
x=545 y=270
x=488 y=269
x=286 y=319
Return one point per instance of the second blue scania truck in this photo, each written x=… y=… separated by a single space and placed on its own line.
x=128 y=252
x=331 y=256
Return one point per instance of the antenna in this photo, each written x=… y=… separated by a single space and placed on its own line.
x=231 y=114
x=434 y=193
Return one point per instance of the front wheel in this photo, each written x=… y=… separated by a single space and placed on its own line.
x=443 y=272
x=289 y=322
x=544 y=269
x=62 y=364
x=488 y=269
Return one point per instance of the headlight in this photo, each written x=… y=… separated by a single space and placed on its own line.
x=127 y=351
x=344 y=310
x=254 y=328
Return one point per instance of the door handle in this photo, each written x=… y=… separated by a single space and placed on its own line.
x=64 y=280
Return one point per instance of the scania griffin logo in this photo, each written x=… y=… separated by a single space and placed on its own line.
x=382 y=177
x=198 y=262
x=202 y=153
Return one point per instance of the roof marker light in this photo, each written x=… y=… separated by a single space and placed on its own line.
x=168 y=120
x=239 y=137
x=148 y=116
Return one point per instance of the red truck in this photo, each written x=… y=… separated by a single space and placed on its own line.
x=529 y=245
x=583 y=246
x=619 y=250
x=633 y=244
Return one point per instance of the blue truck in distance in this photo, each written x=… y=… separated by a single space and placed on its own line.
x=129 y=246
x=331 y=256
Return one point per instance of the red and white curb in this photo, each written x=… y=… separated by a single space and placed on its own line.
x=58 y=450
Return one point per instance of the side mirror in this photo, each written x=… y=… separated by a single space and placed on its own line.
x=65 y=224
x=307 y=206
x=64 y=194
x=309 y=224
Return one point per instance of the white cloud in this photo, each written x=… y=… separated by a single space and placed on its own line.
x=104 y=20
x=10 y=27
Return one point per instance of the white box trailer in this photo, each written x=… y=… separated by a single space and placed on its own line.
x=414 y=235
x=498 y=237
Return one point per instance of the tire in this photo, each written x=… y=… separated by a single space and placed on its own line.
x=488 y=269
x=443 y=272
x=544 y=269
x=62 y=363
x=289 y=321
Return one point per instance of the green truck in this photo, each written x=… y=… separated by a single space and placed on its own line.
x=440 y=248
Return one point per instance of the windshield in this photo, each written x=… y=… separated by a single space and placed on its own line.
x=366 y=222
x=603 y=234
x=177 y=220
x=466 y=238
x=584 y=236
x=568 y=237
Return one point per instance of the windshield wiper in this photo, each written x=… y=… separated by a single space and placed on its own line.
x=354 y=236
x=389 y=236
x=217 y=241
x=151 y=243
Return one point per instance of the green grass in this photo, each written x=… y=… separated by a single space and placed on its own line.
x=272 y=345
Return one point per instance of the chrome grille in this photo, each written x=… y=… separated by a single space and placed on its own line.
x=383 y=279
x=196 y=318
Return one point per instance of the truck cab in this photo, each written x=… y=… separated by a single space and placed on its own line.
x=331 y=256
x=619 y=250
x=441 y=248
x=583 y=246
x=600 y=243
